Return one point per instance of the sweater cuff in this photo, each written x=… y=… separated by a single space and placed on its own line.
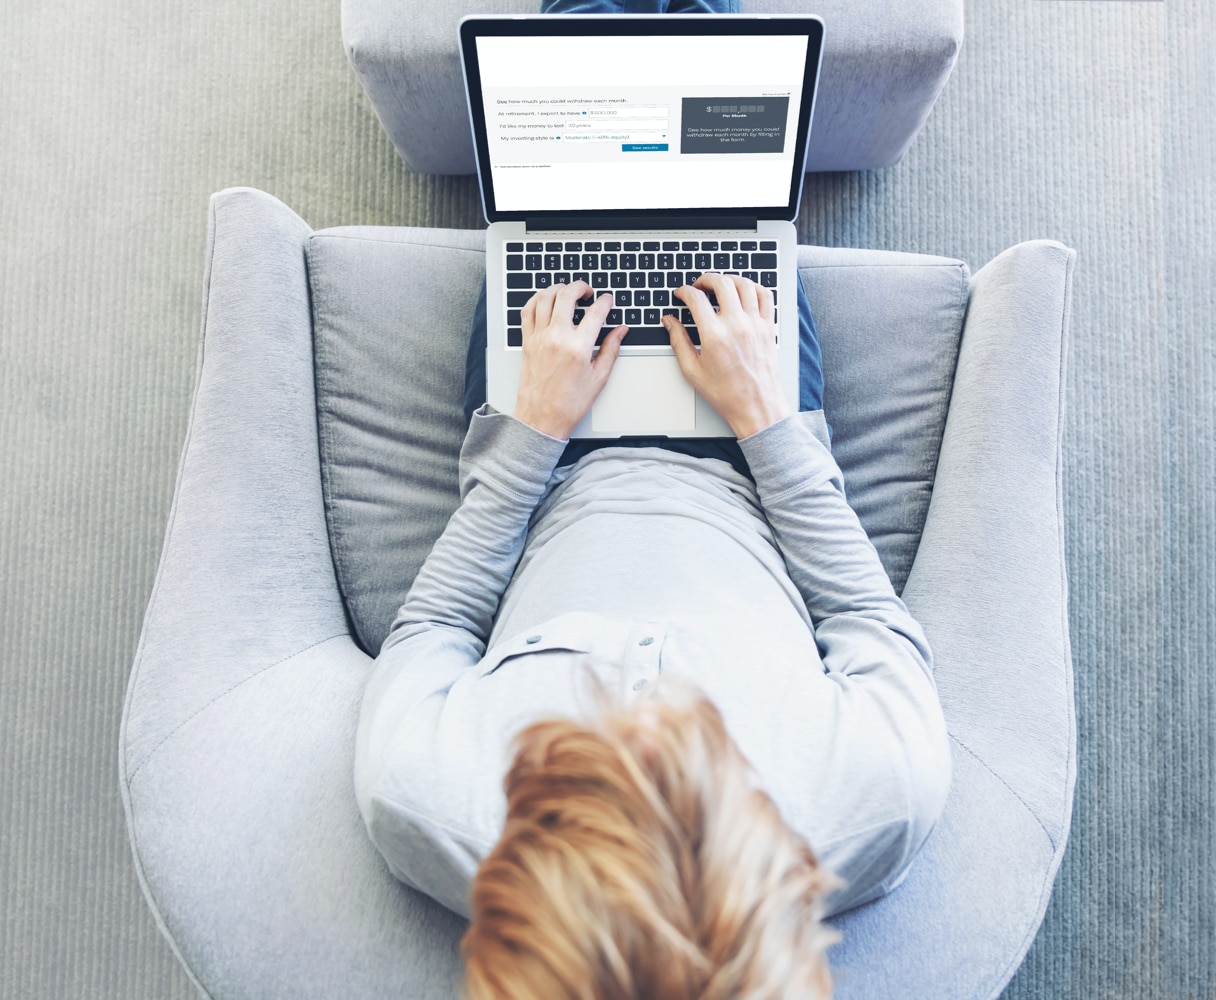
x=790 y=453
x=503 y=451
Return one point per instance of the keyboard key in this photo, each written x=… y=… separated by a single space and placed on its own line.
x=535 y=247
x=662 y=297
x=608 y=261
x=637 y=279
x=656 y=279
x=581 y=276
x=599 y=279
x=519 y=279
x=634 y=246
x=645 y=336
x=752 y=276
x=553 y=262
x=576 y=246
x=674 y=279
x=702 y=261
x=517 y=299
x=515 y=248
x=768 y=279
x=570 y=262
x=683 y=261
x=561 y=278
x=690 y=245
x=747 y=245
x=591 y=261
x=624 y=298
x=543 y=280
x=594 y=247
x=553 y=248
x=651 y=245
x=650 y=317
x=739 y=261
x=513 y=317
x=613 y=246
x=666 y=261
x=646 y=261
x=709 y=244
x=763 y=261
x=515 y=262
x=515 y=336
x=618 y=279
x=721 y=261
x=533 y=262
x=633 y=317
x=670 y=245
x=641 y=297
x=768 y=245
x=613 y=319
x=729 y=245
x=628 y=261
x=578 y=316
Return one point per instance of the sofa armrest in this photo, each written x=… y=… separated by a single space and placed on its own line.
x=246 y=579
x=988 y=582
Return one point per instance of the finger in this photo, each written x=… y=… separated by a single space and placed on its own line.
x=610 y=349
x=698 y=304
x=542 y=303
x=764 y=296
x=722 y=287
x=745 y=288
x=594 y=316
x=681 y=343
x=566 y=298
x=528 y=313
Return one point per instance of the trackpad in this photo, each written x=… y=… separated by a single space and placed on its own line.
x=646 y=395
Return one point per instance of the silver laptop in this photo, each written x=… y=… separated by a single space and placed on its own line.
x=636 y=153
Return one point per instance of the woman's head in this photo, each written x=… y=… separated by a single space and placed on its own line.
x=639 y=859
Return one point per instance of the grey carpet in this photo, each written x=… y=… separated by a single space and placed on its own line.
x=1088 y=121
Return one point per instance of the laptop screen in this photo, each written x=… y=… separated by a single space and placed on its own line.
x=590 y=116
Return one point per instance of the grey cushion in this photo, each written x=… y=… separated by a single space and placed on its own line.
x=237 y=740
x=883 y=66
x=389 y=392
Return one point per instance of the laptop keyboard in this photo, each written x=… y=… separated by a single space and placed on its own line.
x=639 y=274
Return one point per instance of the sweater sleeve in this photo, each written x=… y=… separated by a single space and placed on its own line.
x=441 y=629
x=872 y=648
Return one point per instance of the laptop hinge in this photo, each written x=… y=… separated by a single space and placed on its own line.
x=573 y=223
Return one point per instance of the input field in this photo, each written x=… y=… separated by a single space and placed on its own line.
x=625 y=136
x=581 y=124
x=629 y=111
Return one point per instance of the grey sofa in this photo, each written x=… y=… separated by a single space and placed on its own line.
x=320 y=465
x=884 y=64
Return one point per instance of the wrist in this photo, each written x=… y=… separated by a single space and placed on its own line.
x=760 y=417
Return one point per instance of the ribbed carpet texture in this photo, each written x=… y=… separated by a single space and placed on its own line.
x=1086 y=121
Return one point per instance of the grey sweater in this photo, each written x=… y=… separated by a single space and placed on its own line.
x=635 y=564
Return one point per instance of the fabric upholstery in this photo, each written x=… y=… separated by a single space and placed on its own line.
x=884 y=64
x=237 y=742
x=389 y=392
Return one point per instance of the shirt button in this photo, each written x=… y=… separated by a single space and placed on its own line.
x=647 y=641
x=639 y=685
x=532 y=640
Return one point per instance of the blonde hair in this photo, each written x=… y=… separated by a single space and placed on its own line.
x=640 y=860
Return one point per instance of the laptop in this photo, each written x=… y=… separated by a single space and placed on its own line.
x=636 y=152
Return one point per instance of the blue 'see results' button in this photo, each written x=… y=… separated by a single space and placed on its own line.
x=644 y=147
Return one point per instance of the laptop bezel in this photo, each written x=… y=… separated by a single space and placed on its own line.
x=581 y=27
